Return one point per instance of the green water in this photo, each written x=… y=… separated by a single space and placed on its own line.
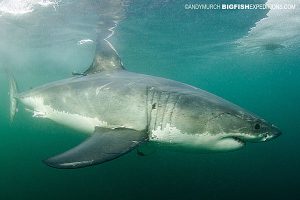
x=162 y=40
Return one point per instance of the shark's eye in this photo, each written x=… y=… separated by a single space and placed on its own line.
x=257 y=126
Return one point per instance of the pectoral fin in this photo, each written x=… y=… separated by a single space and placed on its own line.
x=103 y=145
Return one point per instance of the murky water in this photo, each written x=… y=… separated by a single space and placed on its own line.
x=216 y=50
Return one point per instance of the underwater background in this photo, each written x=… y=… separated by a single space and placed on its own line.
x=249 y=57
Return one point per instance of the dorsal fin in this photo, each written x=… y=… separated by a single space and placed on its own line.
x=106 y=59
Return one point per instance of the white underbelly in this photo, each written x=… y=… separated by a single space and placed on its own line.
x=204 y=141
x=75 y=121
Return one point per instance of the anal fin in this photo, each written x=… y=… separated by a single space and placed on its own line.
x=103 y=145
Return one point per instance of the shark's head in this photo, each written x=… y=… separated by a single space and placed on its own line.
x=236 y=126
x=239 y=126
x=211 y=123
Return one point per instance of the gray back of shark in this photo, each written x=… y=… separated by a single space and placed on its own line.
x=122 y=110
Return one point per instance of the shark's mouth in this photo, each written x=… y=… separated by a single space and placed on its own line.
x=239 y=140
x=254 y=139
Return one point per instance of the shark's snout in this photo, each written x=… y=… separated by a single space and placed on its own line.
x=275 y=132
x=271 y=134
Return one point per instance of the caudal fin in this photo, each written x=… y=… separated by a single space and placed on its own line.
x=12 y=97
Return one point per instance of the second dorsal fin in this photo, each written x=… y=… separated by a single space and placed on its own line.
x=106 y=59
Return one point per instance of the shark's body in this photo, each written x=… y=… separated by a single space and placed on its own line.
x=122 y=110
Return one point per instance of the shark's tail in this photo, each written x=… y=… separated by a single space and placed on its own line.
x=12 y=97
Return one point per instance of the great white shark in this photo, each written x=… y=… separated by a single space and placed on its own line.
x=122 y=110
